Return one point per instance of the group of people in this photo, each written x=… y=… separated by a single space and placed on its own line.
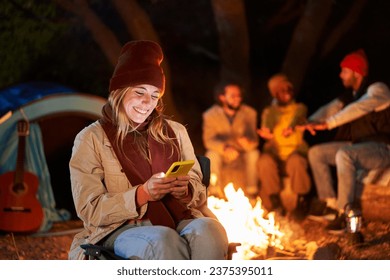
x=117 y=166
x=230 y=131
x=362 y=142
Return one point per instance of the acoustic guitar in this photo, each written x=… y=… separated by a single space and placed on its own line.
x=20 y=210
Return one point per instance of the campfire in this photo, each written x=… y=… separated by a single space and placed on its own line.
x=256 y=230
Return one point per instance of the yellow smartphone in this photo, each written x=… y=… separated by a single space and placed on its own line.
x=179 y=168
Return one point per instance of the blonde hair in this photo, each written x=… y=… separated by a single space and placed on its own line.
x=156 y=129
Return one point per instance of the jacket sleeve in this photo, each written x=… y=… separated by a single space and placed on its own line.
x=326 y=111
x=94 y=204
x=376 y=98
x=211 y=139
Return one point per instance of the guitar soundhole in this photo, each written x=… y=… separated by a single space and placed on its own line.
x=19 y=188
x=17 y=209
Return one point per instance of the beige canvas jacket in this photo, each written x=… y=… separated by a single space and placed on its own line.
x=103 y=197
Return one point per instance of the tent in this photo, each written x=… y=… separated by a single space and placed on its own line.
x=55 y=114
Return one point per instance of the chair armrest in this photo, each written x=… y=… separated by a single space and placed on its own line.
x=204 y=163
x=99 y=252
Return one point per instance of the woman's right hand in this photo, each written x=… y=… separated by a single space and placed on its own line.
x=158 y=186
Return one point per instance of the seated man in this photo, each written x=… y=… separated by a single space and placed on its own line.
x=363 y=119
x=229 y=131
x=285 y=150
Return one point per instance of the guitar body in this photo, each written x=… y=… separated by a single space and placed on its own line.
x=20 y=210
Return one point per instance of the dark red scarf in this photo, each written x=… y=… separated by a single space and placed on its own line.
x=167 y=211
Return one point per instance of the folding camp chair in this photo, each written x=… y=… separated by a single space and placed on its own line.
x=96 y=252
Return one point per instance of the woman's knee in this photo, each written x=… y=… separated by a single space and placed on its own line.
x=199 y=225
x=209 y=228
x=155 y=242
x=207 y=239
x=168 y=239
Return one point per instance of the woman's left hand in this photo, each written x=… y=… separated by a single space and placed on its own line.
x=179 y=188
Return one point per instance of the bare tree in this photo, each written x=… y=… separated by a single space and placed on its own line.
x=304 y=41
x=287 y=12
x=138 y=25
x=345 y=25
x=102 y=35
x=230 y=19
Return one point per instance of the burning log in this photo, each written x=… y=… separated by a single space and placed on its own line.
x=256 y=230
x=275 y=253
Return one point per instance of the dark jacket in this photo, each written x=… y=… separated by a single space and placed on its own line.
x=374 y=126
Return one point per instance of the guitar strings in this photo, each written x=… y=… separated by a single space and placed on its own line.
x=25 y=118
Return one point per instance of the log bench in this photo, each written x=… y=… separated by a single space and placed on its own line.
x=376 y=195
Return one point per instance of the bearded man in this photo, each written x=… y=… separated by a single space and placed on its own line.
x=229 y=132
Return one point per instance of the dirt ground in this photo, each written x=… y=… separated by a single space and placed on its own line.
x=54 y=245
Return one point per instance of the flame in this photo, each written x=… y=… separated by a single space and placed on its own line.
x=245 y=224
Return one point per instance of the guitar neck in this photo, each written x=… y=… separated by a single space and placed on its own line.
x=19 y=171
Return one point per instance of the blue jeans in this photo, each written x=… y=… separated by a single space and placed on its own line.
x=321 y=158
x=196 y=239
x=348 y=159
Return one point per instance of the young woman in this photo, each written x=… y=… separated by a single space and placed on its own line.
x=117 y=172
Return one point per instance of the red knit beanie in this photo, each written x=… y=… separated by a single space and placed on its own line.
x=139 y=63
x=356 y=61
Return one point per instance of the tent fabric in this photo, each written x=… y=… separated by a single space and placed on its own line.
x=32 y=101
x=13 y=97
x=35 y=162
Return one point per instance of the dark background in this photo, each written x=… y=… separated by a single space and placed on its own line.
x=40 y=41
x=187 y=30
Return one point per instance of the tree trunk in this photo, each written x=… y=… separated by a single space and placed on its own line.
x=102 y=35
x=286 y=13
x=231 y=24
x=304 y=40
x=343 y=27
x=140 y=27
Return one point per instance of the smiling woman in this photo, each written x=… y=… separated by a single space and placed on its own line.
x=117 y=173
x=139 y=102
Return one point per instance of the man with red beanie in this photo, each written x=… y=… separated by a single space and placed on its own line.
x=362 y=141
